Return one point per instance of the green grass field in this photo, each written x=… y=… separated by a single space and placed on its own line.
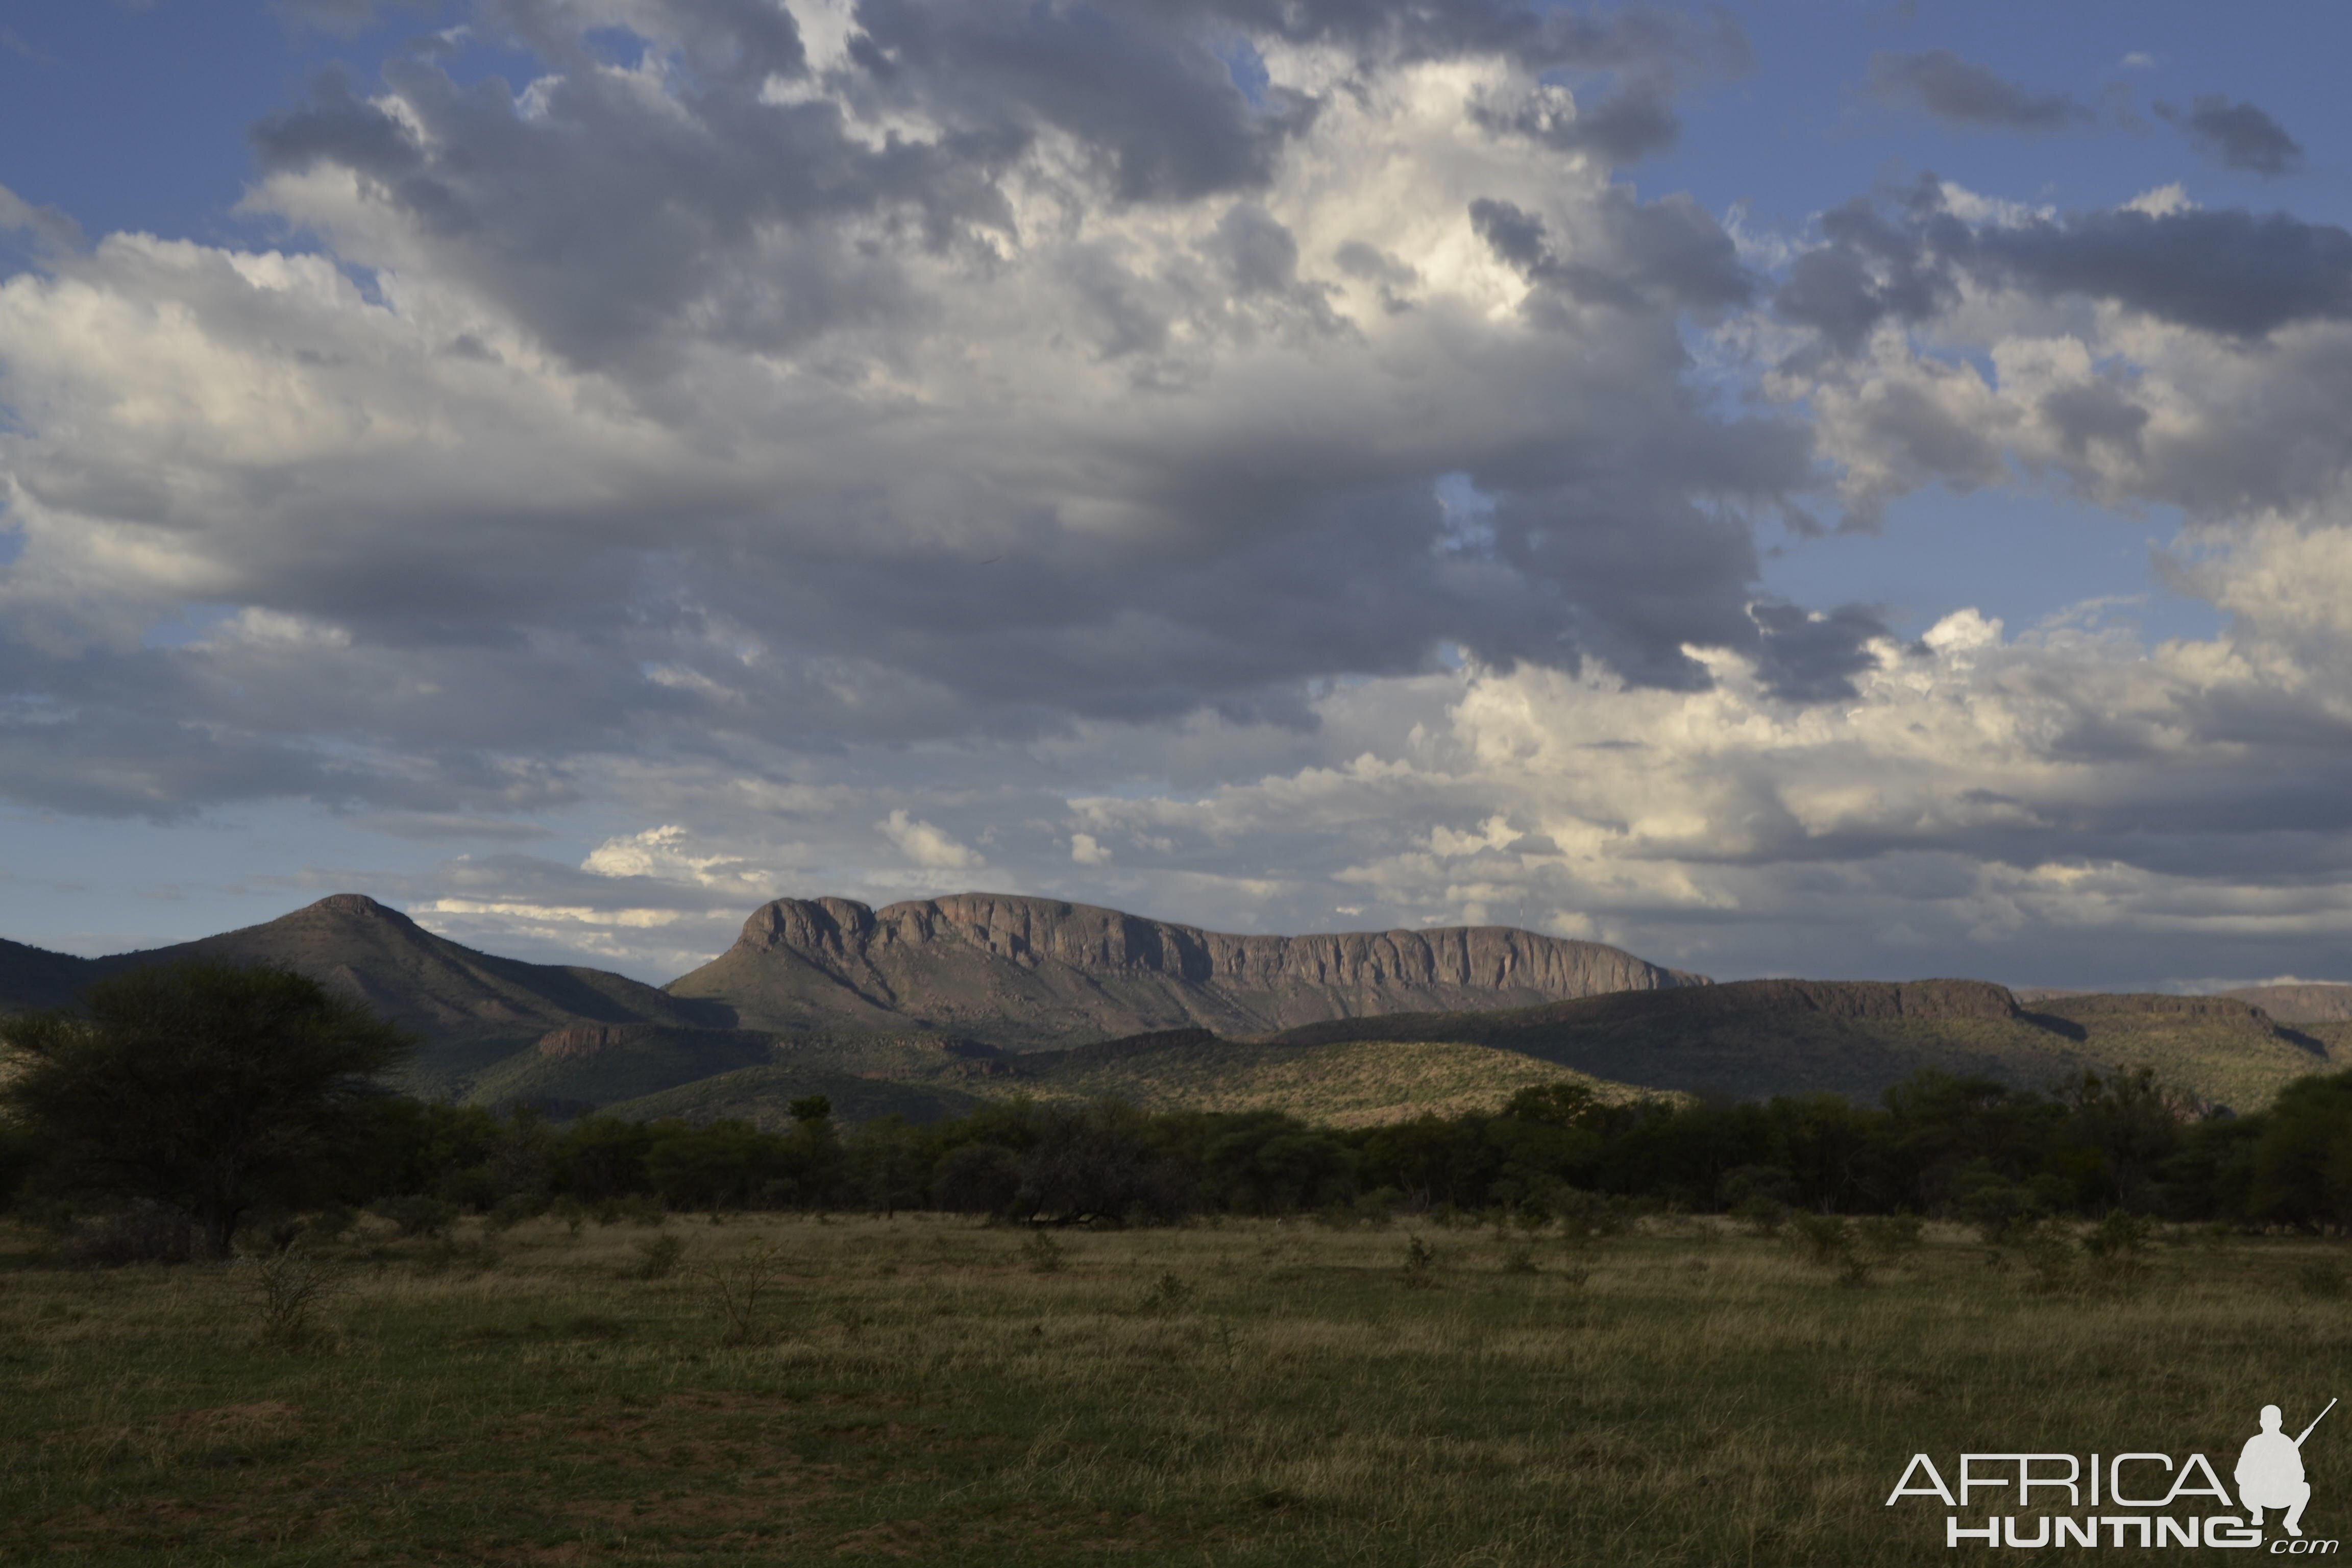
x=926 y=1389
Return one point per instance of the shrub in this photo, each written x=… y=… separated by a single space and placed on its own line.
x=417 y=1215
x=2050 y=1252
x=658 y=1256
x=1887 y=1235
x=146 y=1232
x=737 y=1287
x=1043 y=1254
x=1420 y=1264
x=512 y=1210
x=2322 y=1277
x=288 y=1286
x=1169 y=1295
x=1824 y=1239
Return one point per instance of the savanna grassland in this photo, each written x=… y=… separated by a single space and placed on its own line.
x=930 y=1389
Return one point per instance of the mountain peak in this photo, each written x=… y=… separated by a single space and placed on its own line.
x=351 y=904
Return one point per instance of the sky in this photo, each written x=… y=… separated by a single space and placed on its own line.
x=1820 y=488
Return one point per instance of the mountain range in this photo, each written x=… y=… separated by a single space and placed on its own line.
x=926 y=1007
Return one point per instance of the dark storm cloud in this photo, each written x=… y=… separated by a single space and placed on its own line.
x=2235 y=135
x=1813 y=656
x=1961 y=92
x=336 y=126
x=1624 y=127
x=1667 y=252
x=1874 y=267
x=2230 y=272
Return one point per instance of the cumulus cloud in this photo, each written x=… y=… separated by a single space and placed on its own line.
x=1985 y=793
x=925 y=845
x=1261 y=464
x=1961 y=92
x=2235 y=135
x=914 y=372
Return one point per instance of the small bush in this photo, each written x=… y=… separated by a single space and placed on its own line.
x=144 y=1233
x=1588 y=1216
x=2003 y=1211
x=658 y=1256
x=288 y=1286
x=1829 y=1241
x=1169 y=1295
x=2050 y=1253
x=2120 y=1235
x=416 y=1215
x=1419 y=1265
x=1761 y=1215
x=448 y=1252
x=1823 y=1239
x=2322 y=1277
x=512 y=1210
x=635 y=1208
x=1044 y=1254
x=736 y=1288
x=1887 y=1235
x=1519 y=1260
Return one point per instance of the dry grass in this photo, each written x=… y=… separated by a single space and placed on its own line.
x=918 y=1391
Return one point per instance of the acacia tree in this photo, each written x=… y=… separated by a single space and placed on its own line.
x=202 y=1086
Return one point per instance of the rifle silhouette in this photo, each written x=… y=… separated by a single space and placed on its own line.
x=2314 y=1421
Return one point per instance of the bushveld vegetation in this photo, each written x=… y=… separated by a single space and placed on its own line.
x=1958 y=1149
x=1617 y=1389
x=1569 y=1332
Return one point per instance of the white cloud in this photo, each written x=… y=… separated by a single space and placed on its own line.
x=925 y=845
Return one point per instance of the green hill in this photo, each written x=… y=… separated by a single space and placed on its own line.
x=1350 y=1083
x=32 y=977
x=1857 y=1038
x=763 y=1096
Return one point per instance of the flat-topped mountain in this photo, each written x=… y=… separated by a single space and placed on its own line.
x=1019 y=971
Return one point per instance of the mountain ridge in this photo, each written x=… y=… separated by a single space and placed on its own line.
x=1021 y=970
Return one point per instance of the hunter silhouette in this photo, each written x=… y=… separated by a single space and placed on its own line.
x=2270 y=1471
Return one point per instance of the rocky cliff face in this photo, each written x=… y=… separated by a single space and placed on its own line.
x=1038 y=971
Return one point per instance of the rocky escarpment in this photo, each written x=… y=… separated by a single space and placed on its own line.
x=1025 y=970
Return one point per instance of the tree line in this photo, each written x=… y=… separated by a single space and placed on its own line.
x=226 y=1095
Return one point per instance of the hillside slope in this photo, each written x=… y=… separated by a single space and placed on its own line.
x=1025 y=972
x=1348 y=1083
x=35 y=977
x=2311 y=1002
x=469 y=1008
x=1857 y=1038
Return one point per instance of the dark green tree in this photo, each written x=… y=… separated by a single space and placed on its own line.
x=203 y=1086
